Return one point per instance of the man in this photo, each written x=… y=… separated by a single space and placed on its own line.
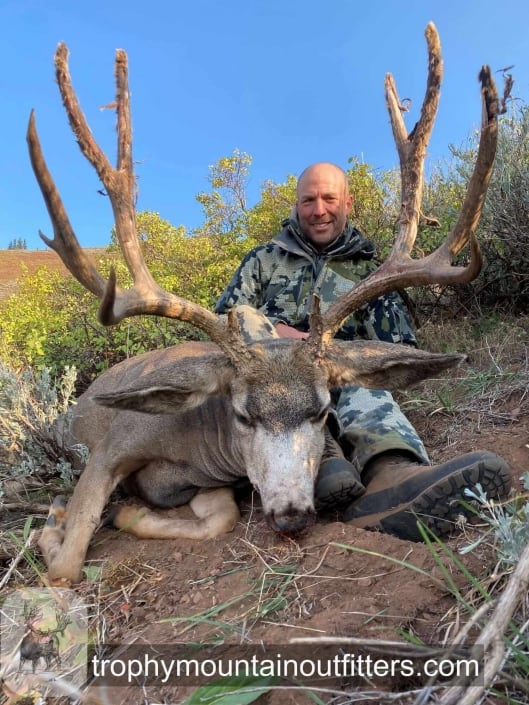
x=387 y=483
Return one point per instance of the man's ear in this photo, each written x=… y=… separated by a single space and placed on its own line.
x=181 y=385
x=383 y=365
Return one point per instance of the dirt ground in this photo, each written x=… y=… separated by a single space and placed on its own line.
x=253 y=587
x=14 y=263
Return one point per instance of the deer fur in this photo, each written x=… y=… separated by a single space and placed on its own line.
x=173 y=422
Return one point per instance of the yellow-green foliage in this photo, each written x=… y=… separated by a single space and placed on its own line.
x=29 y=315
x=196 y=267
x=374 y=211
x=52 y=321
x=225 y=204
x=263 y=221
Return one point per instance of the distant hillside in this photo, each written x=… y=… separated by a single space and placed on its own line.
x=12 y=262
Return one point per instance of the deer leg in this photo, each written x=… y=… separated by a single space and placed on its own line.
x=216 y=512
x=67 y=533
x=52 y=534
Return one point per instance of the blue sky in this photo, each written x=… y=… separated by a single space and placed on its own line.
x=289 y=81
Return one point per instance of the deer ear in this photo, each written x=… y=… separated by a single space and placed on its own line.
x=383 y=365
x=176 y=387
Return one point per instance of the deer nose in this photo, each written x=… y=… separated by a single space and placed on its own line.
x=292 y=521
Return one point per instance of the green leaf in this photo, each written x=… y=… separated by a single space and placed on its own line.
x=27 y=528
x=92 y=573
x=227 y=691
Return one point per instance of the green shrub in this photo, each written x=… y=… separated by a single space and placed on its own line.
x=508 y=524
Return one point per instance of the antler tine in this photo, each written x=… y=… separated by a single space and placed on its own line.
x=145 y=297
x=400 y=270
x=412 y=148
x=65 y=242
x=119 y=182
x=468 y=220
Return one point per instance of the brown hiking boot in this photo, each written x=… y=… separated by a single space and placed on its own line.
x=338 y=480
x=401 y=492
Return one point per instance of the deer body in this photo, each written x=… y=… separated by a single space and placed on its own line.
x=40 y=643
x=181 y=420
x=35 y=647
x=267 y=426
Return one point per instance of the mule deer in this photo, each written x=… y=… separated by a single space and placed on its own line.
x=38 y=643
x=222 y=410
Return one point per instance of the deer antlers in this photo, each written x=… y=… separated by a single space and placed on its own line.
x=398 y=271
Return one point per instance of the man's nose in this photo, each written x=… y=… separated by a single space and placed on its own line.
x=318 y=207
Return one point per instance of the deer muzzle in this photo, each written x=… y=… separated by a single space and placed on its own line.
x=291 y=522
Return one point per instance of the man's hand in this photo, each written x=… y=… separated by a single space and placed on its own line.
x=285 y=331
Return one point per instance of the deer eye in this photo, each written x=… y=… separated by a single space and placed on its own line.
x=244 y=420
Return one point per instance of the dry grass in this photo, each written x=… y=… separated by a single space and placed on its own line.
x=489 y=391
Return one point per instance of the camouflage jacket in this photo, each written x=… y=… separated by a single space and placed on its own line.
x=279 y=279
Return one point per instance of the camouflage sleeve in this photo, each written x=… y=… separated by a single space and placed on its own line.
x=246 y=285
x=387 y=319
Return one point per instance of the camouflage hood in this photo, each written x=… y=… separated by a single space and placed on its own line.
x=350 y=245
x=280 y=278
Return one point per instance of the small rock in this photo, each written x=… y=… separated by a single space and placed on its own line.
x=139 y=613
x=365 y=582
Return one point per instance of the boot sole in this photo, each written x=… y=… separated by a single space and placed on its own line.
x=441 y=505
x=338 y=498
x=348 y=491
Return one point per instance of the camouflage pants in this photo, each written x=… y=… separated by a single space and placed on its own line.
x=370 y=420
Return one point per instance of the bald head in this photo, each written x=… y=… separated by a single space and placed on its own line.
x=323 y=170
x=323 y=203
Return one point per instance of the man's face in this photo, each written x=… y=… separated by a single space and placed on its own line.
x=322 y=204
